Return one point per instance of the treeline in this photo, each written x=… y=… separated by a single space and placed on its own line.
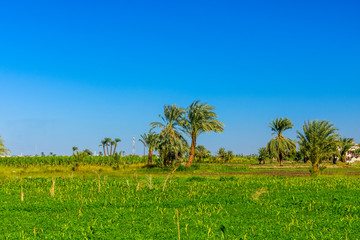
x=317 y=142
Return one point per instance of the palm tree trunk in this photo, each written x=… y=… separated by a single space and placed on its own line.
x=114 y=149
x=192 y=151
x=104 y=150
x=281 y=160
x=107 y=149
x=316 y=168
x=111 y=149
x=150 y=157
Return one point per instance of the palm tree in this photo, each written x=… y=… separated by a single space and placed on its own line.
x=318 y=140
x=103 y=143
x=149 y=140
x=171 y=147
x=229 y=156
x=171 y=144
x=74 y=149
x=344 y=146
x=3 y=150
x=221 y=154
x=263 y=154
x=201 y=152
x=116 y=141
x=107 y=142
x=200 y=118
x=112 y=143
x=280 y=146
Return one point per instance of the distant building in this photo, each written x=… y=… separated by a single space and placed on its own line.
x=352 y=151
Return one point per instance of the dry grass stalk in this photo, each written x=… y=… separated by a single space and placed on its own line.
x=138 y=186
x=99 y=180
x=150 y=182
x=167 y=178
x=82 y=203
x=52 y=190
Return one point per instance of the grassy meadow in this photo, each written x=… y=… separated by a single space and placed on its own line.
x=238 y=200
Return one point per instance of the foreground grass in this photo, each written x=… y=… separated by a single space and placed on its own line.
x=135 y=207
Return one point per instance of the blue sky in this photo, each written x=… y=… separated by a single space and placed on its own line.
x=74 y=73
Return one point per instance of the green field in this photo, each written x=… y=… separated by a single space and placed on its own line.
x=212 y=202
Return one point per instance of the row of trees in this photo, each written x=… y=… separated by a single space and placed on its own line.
x=196 y=119
x=318 y=141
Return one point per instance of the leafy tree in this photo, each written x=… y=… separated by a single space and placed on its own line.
x=344 y=146
x=280 y=146
x=201 y=152
x=88 y=152
x=318 y=141
x=100 y=153
x=3 y=150
x=150 y=140
x=263 y=154
x=171 y=144
x=200 y=118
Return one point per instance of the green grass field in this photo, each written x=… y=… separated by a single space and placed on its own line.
x=212 y=202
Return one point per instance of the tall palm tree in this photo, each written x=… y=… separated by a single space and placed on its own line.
x=116 y=140
x=149 y=140
x=3 y=150
x=103 y=143
x=74 y=149
x=107 y=143
x=318 y=140
x=344 y=146
x=200 y=118
x=171 y=144
x=112 y=144
x=280 y=146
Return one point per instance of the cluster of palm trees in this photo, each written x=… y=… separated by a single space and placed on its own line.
x=169 y=140
x=109 y=142
x=3 y=149
x=225 y=156
x=318 y=141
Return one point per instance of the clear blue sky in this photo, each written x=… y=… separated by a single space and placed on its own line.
x=74 y=73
